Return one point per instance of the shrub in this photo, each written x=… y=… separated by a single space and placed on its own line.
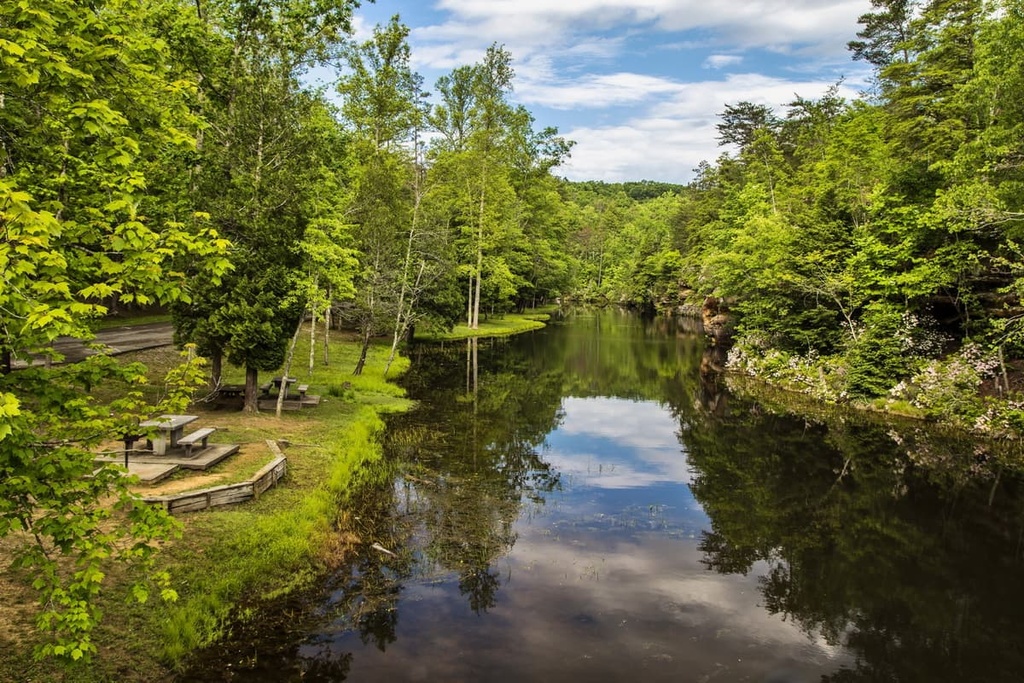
x=891 y=345
x=947 y=389
x=823 y=377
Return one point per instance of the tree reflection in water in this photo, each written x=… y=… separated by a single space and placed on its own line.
x=901 y=546
x=915 y=570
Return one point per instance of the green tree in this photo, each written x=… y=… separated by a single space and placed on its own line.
x=885 y=36
x=472 y=162
x=258 y=167
x=537 y=259
x=400 y=255
x=91 y=114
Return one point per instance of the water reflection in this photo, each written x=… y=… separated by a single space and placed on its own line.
x=591 y=502
x=615 y=443
x=593 y=573
x=916 y=577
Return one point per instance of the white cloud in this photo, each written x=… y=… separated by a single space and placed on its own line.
x=648 y=149
x=675 y=133
x=721 y=61
x=704 y=100
x=641 y=446
x=595 y=90
x=810 y=26
x=361 y=28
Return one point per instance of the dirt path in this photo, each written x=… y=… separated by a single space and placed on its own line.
x=119 y=339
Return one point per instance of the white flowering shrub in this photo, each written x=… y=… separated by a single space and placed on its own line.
x=919 y=335
x=947 y=389
x=1002 y=419
x=821 y=377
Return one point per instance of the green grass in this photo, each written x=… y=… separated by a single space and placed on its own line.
x=131 y=320
x=278 y=543
x=231 y=560
x=497 y=326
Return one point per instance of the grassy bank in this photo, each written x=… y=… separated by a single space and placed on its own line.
x=229 y=561
x=494 y=326
x=286 y=539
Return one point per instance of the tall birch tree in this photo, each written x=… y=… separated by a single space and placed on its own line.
x=384 y=104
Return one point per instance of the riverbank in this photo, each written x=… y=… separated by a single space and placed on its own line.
x=502 y=325
x=230 y=561
x=970 y=389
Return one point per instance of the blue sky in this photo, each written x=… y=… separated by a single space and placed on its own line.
x=638 y=84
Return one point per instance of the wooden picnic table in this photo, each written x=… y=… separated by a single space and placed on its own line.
x=171 y=427
x=230 y=391
x=276 y=384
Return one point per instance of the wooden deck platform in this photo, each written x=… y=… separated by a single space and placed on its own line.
x=291 y=403
x=230 y=494
x=151 y=468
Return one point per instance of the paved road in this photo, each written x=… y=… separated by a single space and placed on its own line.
x=119 y=339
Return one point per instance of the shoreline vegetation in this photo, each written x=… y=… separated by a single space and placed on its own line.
x=496 y=326
x=231 y=561
x=969 y=394
x=970 y=390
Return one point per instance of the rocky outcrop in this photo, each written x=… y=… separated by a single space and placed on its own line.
x=689 y=305
x=718 y=322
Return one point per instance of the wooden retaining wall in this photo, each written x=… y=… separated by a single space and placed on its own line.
x=230 y=494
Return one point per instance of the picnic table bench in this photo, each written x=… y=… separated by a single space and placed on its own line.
x=288 y=381
x=190 y=439
x=171 y=429
x=230 y=390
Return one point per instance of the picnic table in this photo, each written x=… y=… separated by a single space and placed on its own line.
x=277 y=382
x=231 y=390
x=171 y=427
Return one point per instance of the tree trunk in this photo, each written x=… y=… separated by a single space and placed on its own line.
x=251 y=389
x=287 y=369
x=475 y=324
x=362 y=352
x=312 y=340
x=476 y=300
x=5 y=362
x=404 y=321
x=394 y=348
x=327 y=332
x=216 y=368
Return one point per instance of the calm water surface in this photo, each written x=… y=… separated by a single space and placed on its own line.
x=588 y=503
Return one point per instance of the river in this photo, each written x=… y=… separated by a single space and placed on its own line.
x=589 y=502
